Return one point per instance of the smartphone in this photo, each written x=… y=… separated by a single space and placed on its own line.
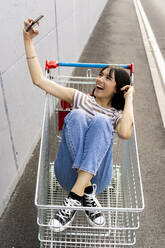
x=34 y=23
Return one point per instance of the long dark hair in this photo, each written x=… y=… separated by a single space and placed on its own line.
x=122 y=78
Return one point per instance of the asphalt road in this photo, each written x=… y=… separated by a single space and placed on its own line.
x=115 y=39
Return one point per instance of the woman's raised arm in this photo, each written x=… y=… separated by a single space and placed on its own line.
x=36 y=72
x=125 y=124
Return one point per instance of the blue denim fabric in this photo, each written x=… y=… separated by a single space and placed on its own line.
x=87 y=144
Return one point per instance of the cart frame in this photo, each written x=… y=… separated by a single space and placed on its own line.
x=129 y=213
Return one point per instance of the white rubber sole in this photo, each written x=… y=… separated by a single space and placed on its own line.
x=61 y=228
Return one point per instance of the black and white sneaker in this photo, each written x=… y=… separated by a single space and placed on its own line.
x=95 y=218
x=64 y=217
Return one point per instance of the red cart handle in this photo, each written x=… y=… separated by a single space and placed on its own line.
x=51 y=64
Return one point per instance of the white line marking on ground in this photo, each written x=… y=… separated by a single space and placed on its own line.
x=155 y=57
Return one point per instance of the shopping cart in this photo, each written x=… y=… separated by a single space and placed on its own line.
x=121 y=202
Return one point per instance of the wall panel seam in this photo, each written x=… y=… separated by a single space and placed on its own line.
x=8 y=120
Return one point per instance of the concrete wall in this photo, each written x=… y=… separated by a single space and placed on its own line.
x=64 y=30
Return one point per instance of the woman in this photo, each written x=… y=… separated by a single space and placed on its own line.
x=84 y=161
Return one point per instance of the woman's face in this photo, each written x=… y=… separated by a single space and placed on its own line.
x=105 y=85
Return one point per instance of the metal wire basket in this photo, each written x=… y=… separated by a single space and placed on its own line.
x=121 y=202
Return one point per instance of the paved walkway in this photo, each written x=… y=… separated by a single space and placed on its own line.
x=115 y=39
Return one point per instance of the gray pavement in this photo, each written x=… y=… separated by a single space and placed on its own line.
x=115 y=39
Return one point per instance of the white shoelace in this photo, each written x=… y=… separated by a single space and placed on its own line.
x=92 y=198
x=64 y=213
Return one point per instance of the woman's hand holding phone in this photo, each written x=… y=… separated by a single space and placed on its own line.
x=32 y=32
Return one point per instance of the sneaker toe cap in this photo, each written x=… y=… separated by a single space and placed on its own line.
x=100 y=220
x=55 y=225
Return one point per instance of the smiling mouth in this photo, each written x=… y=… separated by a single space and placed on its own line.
x=99 y=88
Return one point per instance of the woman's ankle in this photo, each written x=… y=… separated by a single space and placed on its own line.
x=78 y=192
x=89 y=184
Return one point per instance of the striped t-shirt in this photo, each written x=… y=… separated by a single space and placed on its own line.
x=89 y=104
